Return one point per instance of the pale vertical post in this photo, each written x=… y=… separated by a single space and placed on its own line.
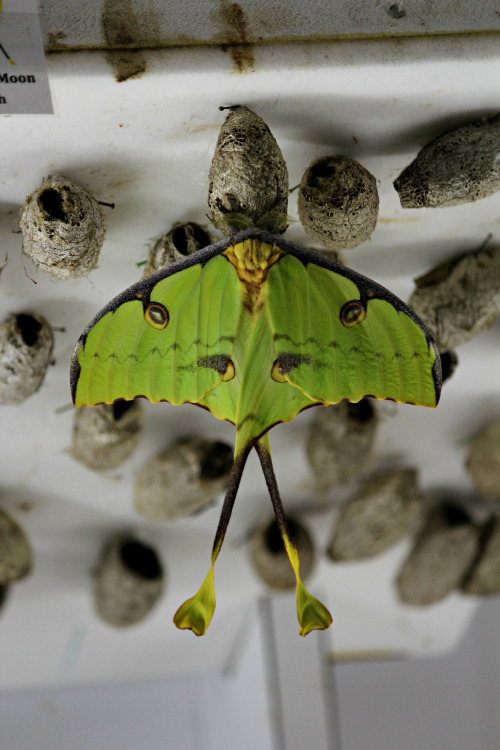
x=302 y=696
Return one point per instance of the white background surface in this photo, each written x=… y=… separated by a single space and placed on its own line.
x=447 y=702
x=146 y=144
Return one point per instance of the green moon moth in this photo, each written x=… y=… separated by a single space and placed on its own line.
x=255 y=329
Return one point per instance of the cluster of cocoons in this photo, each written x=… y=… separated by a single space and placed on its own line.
x=63 y=230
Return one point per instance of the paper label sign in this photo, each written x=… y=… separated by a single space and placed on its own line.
x=24 y=83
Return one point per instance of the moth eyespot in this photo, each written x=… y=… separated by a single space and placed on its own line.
x=156 y=315
x=352 y=313
x=228 y=372
x=277 y=372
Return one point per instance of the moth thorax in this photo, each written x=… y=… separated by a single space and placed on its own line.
x=252 y=260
